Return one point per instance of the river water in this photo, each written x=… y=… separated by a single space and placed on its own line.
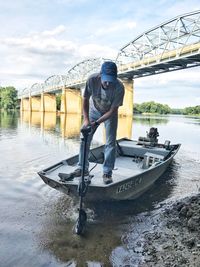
x=36 y=221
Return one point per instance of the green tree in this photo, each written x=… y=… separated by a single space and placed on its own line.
x=152 y=107
x=136 y=109
x=8 y=98
x=192 y=110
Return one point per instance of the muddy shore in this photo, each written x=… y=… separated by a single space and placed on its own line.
x=172 y=238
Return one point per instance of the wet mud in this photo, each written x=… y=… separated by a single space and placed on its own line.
x=168 y=237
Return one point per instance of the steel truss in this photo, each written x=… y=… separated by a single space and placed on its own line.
x=172 y=45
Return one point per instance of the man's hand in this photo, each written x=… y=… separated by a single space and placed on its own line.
x=94 y=124
x=86 y=123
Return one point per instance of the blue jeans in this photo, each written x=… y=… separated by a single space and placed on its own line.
x=109 y=152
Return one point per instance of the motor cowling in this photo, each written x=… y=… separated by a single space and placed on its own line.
x=151 y=139
x=153 y=133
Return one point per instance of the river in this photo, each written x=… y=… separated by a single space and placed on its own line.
x=36 y=221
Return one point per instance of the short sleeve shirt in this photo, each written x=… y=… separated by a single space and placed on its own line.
x=100 y=99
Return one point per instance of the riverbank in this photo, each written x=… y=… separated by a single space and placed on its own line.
x=172 y=238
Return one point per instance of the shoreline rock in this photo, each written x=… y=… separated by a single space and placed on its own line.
x=171 y=238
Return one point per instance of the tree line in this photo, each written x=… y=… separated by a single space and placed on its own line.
x=8 y=98
x=157 y=108
x=8 y=101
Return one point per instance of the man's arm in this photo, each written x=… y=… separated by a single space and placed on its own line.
x=86 y=111
x=108 y=114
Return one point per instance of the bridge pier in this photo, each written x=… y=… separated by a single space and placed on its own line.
x=25 y=104
x=35 y=103
x=127 y=108
x=71 y=101
x=48 y=102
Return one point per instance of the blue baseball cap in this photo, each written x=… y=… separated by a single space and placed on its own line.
x=108 y=72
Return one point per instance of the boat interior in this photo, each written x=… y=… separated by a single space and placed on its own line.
x=132 y=158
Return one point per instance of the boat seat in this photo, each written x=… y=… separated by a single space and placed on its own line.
x=151 y=159
x=130 y=148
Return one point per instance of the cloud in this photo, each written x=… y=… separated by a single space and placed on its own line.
x=58 y=30
x=115 y=27
x=177 y=89
x=41 y=39
x=95 y=50
x=45 y=42
x=46 y=53
x=181 y=7
x=190 y=77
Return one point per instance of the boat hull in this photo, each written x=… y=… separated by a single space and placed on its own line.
x=129 y=188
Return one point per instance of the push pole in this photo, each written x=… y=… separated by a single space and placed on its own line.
x=82 y=218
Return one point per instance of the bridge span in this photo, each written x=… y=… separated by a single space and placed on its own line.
x=170 y=46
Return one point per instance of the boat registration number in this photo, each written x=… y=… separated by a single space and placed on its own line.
x=129 y=185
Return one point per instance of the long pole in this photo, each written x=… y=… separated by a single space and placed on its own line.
x=82 y=218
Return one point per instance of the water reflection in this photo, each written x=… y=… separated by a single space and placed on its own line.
x=35 y=119
x=96 y=245
x=25 y=117
x=43 y=120
x=124 y=127
x=43 y=219
x=8 y=119
x=150 y=120
x=69 y=124
x=48 y=120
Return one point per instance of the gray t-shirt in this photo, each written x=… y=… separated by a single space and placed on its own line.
x=102 y=100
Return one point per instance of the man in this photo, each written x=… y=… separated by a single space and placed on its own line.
x=102 y=97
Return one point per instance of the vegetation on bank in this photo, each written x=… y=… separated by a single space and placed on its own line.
x=151 y=107
x=157 y=108
x=8 y=98
x=8 y=101
x=192 y=110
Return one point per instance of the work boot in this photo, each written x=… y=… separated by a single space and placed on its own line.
x=78 y=173
x=107 y=178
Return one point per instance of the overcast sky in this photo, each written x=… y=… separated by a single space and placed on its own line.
x=42 y=38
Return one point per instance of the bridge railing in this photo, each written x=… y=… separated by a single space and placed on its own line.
x=166 y=56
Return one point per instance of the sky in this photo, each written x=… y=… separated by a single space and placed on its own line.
x=42 y=38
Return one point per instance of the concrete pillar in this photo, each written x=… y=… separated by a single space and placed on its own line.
x=48 y=102
x=127 y=108
x=71 y=101
x=35 y=103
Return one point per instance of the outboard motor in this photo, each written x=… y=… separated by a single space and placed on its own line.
x=152 y=135
x=151 y=139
